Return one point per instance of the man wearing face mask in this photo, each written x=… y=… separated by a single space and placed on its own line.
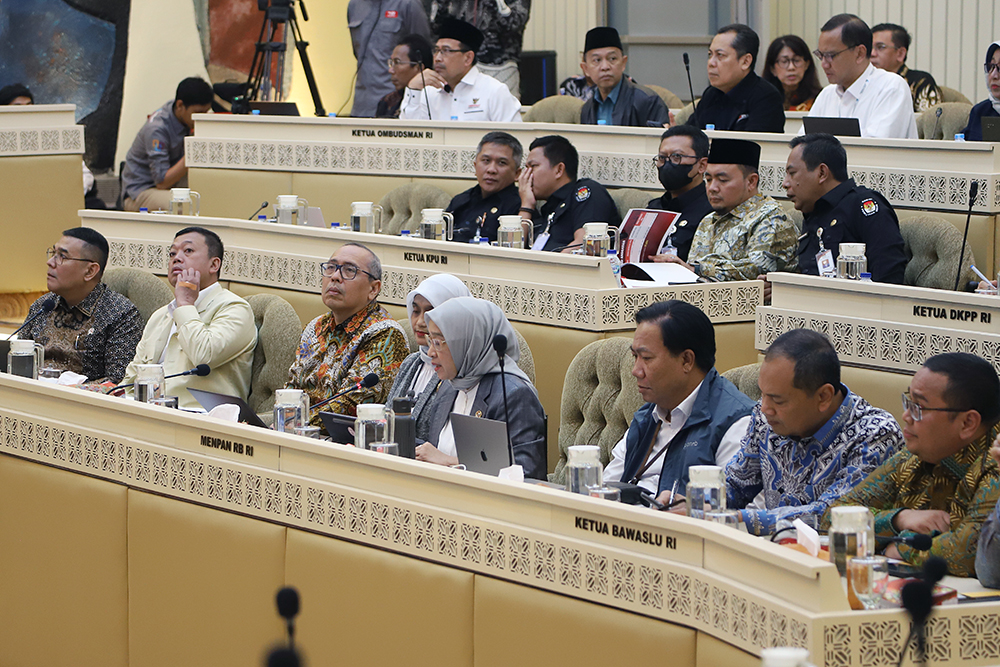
x=681 y=163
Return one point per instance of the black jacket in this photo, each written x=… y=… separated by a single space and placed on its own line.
x=753 y=105
x=693 y=206
x=471 y=209
x=637 y=106
x=568 y=208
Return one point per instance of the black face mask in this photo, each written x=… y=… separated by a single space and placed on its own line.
x=674 y=176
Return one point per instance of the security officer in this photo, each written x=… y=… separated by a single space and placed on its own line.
x=478 y=209
x=839 y=211
x=681 y=165
x=550 y=174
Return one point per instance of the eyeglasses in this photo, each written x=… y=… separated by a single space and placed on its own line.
x=795 y=62
x=347 y=271
x=673 y=158
x=916 y=411
x=396 y=62
x=444 y=50
x=989 y=68
x=830 y=55
x=61 y=257
x=437 y=343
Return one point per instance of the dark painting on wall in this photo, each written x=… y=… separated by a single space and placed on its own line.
x=70 y=52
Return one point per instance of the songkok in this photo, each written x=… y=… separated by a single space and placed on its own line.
x=461 y=31
x=734 y=151
x=602 y=38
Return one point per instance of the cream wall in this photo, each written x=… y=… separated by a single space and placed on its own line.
x=330 y=55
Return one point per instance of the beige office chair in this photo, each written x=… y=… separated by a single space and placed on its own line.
x=943 y=121
x=278 y=334
x=555 y=109
x=932 y=248
x=793 y=214
x=952 y=95
x=599 y=399
x=745 y=379
x=682 y=116
x=401 y=206
x=627 y=198
x=142 y=288
x=671 y=100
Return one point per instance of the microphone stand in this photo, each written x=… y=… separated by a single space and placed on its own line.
x=500 y=345
x=973 y=190
x=427 y=99
x=694 y=108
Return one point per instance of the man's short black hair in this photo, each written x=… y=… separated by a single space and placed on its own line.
x=503 y=139
x=900 y=36
x=744 y=41
x=419 y=49
x=97 y=245
x=682 y=327
x=816 y=362
x=822 y=148
x=558 y=149
x=194 y=91
x=212 y=240
x=374 y=263
x=972 y=383
x=15 y=90
x=699 y=140
x=855 y=33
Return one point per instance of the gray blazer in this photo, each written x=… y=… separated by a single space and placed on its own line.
x=527 y=418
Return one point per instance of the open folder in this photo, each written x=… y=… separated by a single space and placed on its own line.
x=648 y=274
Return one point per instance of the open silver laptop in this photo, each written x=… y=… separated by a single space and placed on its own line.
x=481 y=444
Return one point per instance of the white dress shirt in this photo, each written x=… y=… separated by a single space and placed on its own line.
x=172 y=306
x=463 y=406
x=650 y=479
x=477 y=97
x=880 y=100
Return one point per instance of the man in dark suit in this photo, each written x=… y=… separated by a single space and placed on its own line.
x=617 y=101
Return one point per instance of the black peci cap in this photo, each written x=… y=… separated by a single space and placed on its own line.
x=734 y=151
x=461 y=31
x=602 y=37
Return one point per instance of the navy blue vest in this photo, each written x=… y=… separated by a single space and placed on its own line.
x=718 y=405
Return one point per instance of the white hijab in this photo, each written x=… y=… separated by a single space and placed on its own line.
x=437 y=289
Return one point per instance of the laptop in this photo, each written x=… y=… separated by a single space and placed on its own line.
x=839 y=127
x=275 y=108
x=991 y=128
x=481 y=444
x=340 y=428
x=210 y=399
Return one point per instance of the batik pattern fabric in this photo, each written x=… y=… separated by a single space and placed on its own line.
x=923 y=88
x=775 y=479
x=333 y=357
x=503 y=36
x=752 y=239
x=966 y=485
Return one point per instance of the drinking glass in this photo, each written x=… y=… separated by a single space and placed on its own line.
x=868 y=576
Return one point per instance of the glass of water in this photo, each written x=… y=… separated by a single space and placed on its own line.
x=868 y=576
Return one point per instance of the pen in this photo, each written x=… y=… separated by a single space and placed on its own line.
x=980 y=274
x=670 y=500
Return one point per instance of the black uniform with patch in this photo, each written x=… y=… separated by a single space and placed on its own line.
x=693 y=206
x=471 y=210
x=570 y=207
x=851 y=213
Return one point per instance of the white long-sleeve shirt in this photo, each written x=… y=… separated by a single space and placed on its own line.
x=477 y=97
x=880 y=100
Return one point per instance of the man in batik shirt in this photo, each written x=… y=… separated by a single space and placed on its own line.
x=810 y=440
x=357 y=336
x=944 y=484
x=748 y=234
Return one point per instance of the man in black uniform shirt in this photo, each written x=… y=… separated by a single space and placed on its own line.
x=736 y=98
x=478 y=209
x=550 y=174
x=839 y=210
x=681 y=164
x=617 y=100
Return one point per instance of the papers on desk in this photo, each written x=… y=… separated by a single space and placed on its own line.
x=649 y=274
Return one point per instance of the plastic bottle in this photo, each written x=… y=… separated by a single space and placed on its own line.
x=616 y=265
x=262 y=217
x=710 y=126
x=959 y=137
x=334 y=225
x=143 y=209
x=405 y=234
x=866 y=277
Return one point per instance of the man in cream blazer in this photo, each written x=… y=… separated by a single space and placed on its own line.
x=204 y=324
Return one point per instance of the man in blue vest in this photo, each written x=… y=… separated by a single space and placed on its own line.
x=692 y=415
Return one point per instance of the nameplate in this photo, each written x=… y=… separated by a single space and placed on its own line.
x=226 y=445
x=425 y=258
x=952 y=314
x=626 y=533
x=394 y=134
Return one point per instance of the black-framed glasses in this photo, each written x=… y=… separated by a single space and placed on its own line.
x=396 y=62
x=830 y=55
x=347 y=271
x=673 y=158
x=796 y=61
x=916 y=410
x=61 y=257
x=989 y=68
x=444 y=50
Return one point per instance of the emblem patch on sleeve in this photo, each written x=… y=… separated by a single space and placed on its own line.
x=583 y=194
x=869 y=206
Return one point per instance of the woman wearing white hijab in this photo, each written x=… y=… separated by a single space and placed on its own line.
x=461 y=333
x=991 y=105
x=416 y=374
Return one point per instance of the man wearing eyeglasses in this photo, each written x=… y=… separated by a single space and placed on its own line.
x=880 y=100
x=890 y=46
x=944 y=484
x=92 y=330
x=357 y=336
x=617 y=100
x=681 y=164
x=411 y=55
x=455 y=89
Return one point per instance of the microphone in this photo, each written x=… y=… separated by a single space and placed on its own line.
x=973 y=190
x=263 y=205
x=694 y=109
x=201 y=370
x=937 y=122
x=47 y=307
x=367 y=382
x=500 y=346
x=917 y=597
x=918 y=541
x=288 y=608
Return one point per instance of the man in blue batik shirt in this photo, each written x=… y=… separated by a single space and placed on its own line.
x=810 y=439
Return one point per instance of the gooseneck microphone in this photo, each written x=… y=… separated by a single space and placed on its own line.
x=500 y=346
x=367 y=382
x=47 y=307
x=288 y=608
x=973 y=190
x=918 y=541
x=917 y=597
x=201 y=370
x=694 y=109
x=253 y=215
x=427 y=99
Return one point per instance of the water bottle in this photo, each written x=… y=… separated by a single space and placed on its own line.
x=852 y=533
x=262 y=217
x=866 y=277
x=583 y=468
x=709 y=126
x=405 y=233
x=403 y=429
x=959 y=137
x=616 y=265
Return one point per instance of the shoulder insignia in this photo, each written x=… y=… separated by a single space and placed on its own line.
x=583 y=193
x=682 y=223
x=869 y=206
x=158 y=146
x=833 y=222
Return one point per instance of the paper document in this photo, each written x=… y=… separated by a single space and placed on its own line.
x=647 y=274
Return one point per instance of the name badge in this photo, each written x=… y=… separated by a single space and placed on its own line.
x=824 y=262
x=540 y=241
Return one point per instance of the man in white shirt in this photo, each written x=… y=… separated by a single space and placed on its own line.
x=693 y=415
x=880 y=100
x=455 y=89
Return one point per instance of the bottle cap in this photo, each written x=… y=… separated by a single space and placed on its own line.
x=371 y=411
x=256 y=112
x=601 y=121
x=959 y=137
x=287 y=396
x=583 y=455
x=706 y=475
x=866 y=276
x=852 y=249
x=402 y=405
x=334 y=225
x=143 y=209
x=405 y=232
x=612 y=251
x=709 y=126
